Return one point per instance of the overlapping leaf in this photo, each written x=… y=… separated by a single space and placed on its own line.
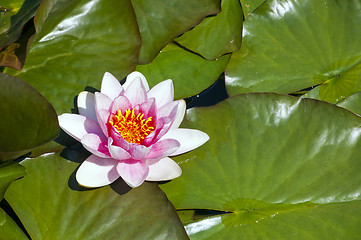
x=27 y=119
x=76 y=42
x=352 y=103
x=9 y=230
x=218 y=34
x=52 y=206
x=190 y=73
x=14 y=14
x=289 y=45
x=282 y=168
x=249 y=6
x=162 y=21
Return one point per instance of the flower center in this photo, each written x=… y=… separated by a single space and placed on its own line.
x=133 y=128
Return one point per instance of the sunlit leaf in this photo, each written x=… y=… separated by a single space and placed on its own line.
x=76 y=42
x=190 y=73
x=280 y=167
x=52 y=206
x=289 y=45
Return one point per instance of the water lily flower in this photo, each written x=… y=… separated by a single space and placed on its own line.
x=131 y=131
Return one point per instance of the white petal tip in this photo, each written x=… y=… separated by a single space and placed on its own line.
x=165 y=169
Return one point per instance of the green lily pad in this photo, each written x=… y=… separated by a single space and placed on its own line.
x=289 y=45
x=280 y=167
x=76 y=42
x=190 y=73
x=27 y=119
x=249 y=6
x=52 y=206
x=13 y=15
x=9 y=171
x=9 y=229
x=352 y=103
x=216 y=35
x=162 y=21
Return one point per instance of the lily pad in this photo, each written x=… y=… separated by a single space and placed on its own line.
x=71 y=212
x=13 y=15
x=27 y=119
x=289 y=45
x=279 y=167
x=9 y=171
x=9 y=230
x=352 y=103
x=162 y=21
x=190 y=73
x=76 y=42
x=216 y=35
x=249 y=6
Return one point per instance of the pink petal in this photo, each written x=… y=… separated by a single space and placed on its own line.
x=167 y=123
x=97 y=172
x=118 y=140
x=163 y=93
x=153 y=137
x=103 y=116
x=117 y=152
x=163 y=170
x=120 y=103
x=189 y=139
x=163 y=149
x=180 y=114
x=148 y=108
x=96 y=145
x=136 y=92
x=102 y=101
x=138 y=152
x=111 y=86
x=78 y=126
x=102 y=110
x=86 y=105
x=133 y=76
x=133 y=172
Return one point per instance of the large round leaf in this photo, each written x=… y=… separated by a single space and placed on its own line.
x=162 y=21
x=190 y=73
x=289 y=45
x=76 y=42
x=27 y=119
x=282 y=167
x=218 y=34
x=52 y=206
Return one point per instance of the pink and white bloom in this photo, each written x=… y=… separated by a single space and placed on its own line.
x=131 y=131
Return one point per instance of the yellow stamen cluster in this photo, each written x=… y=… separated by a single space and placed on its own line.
x=133 y=128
